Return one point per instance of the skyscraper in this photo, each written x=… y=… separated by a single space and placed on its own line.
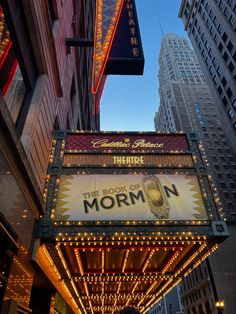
x=169 y=304
x=186 y=104
x=211 y=26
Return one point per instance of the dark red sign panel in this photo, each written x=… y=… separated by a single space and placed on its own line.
x=126 y=142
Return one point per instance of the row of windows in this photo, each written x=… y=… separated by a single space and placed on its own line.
x=197 y=276
x=227 y=186
x=229 y=47
x=217 y=67
x=228 y=9
x=224 y=166
x=226 y=58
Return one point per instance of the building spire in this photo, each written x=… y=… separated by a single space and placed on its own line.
x=161 y=29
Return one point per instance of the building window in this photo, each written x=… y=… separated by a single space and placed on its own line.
x=53 y=13
x=223 y=185
x=11 y=80
x=231 y=19
x=224 y=37
x=220 y=29
x=216 y=40
x=226 y=12
x=229 y=92
x=219 y=89
x=230 y=46
x=219 y=71
x=224 y=82
x=186 y=14
x=73 y=95
x=234 y=56
x=225 y=101
x=231 y=113
x=231 y=66
x=234 y=103
x=220 y=47
x=221 y=4
x=225 y=56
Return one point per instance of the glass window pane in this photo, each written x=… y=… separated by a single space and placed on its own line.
x=11 y=81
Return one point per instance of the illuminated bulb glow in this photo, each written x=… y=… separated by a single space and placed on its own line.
x=79 y=262
x=147 y=260
x=103 y=260
x=125 y=260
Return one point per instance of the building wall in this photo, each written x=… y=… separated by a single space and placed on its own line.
x=222 y=263
x=49 y=89
x=186 y=103
x=57 y=94
x=197 y=292
x=211 y=27
x=169 y=304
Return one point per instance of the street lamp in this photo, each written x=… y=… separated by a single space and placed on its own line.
x=220 y=306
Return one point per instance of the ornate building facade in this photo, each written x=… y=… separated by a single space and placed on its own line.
x=45 y=85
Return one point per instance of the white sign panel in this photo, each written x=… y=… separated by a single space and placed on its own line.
x=129 y=197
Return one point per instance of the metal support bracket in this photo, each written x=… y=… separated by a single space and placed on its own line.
x=79 y=42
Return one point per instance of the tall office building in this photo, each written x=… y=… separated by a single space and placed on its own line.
x=45 y=85
x=186 y=104
x=169 y=304
x=211 y=26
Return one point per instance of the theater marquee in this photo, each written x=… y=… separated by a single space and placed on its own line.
x=129 y=197
x=127 y=216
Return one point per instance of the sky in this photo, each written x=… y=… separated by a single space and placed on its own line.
x=129 y=103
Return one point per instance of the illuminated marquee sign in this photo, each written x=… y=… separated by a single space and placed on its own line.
x=145 y=160
x=118 y=47
x=104 y=185
x=107 y=17
x=129 y=197
x=142 y=143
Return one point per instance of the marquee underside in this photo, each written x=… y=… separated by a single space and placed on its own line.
x=104 y=274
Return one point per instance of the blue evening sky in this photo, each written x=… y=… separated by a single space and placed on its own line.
x=129 y=103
